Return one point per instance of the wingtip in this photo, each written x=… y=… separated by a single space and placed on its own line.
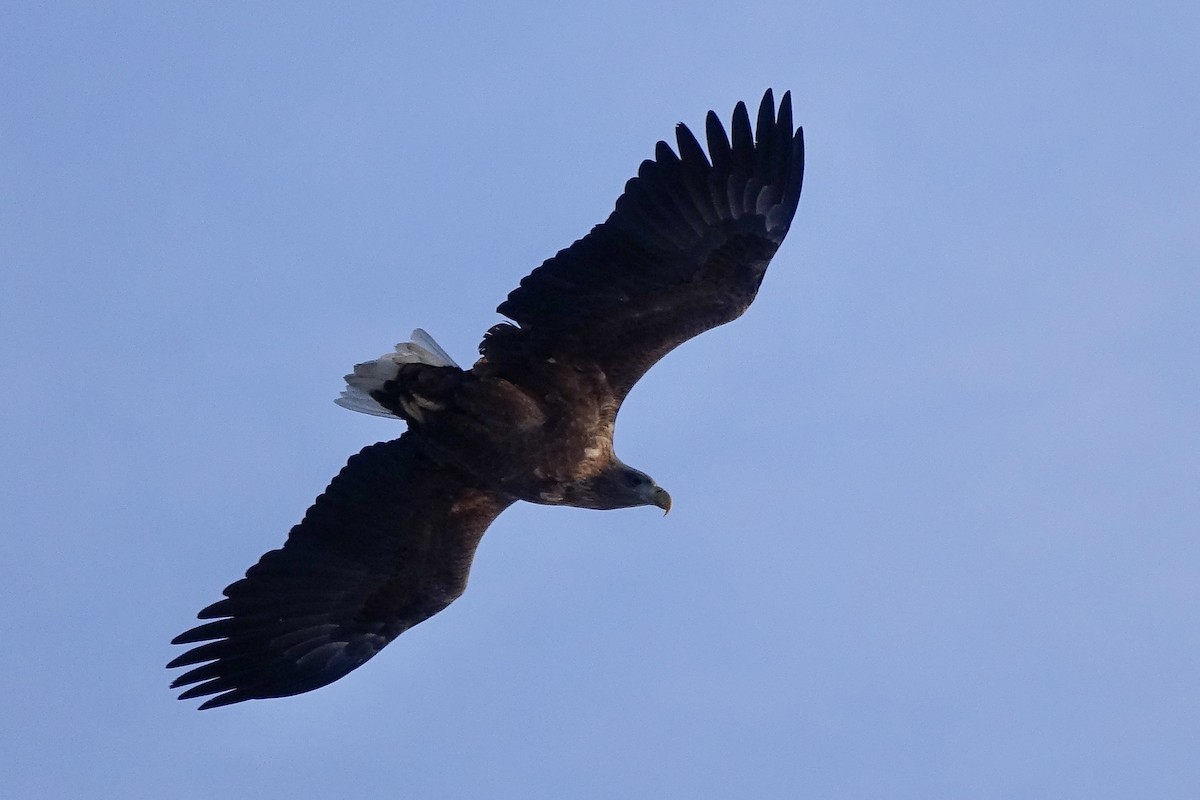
x=227 y=699
x=690 y=151
x=784 y=117
x=178 y=661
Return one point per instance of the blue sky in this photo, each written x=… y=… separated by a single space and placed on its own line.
x=936 y=522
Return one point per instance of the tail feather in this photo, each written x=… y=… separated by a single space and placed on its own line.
x=422 y=340
x=370 y=376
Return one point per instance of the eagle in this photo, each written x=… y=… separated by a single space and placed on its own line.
x=391 y=540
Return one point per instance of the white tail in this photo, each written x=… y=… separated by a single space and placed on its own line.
x=370 y=376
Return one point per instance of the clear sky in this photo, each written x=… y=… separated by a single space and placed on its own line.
x=936 y=528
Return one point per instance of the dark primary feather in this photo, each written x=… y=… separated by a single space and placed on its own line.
x=683 y=251
x=387 y=545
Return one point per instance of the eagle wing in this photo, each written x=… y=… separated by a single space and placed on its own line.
x=684 y=250
x=387 y=545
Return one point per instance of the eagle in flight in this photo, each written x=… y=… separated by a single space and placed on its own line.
x=390 y=541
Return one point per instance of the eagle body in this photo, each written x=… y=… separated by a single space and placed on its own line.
x=391 y=540
x=542 y=434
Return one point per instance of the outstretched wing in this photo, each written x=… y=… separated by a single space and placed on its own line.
x=387 y=545
x=684 y=251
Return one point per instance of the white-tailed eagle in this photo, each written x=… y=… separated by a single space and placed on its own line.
x=390 y=542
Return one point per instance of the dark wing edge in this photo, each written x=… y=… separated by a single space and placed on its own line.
x=684 y=250
x=387 y=545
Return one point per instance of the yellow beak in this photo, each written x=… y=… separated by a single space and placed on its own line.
x=662 y=499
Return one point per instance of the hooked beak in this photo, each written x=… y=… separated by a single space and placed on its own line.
x=662 y=499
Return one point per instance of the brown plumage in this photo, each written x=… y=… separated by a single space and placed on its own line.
x=390 y=541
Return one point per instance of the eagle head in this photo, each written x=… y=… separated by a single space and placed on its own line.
x=619 y=486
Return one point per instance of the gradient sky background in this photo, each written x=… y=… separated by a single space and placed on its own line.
x=937 y=528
